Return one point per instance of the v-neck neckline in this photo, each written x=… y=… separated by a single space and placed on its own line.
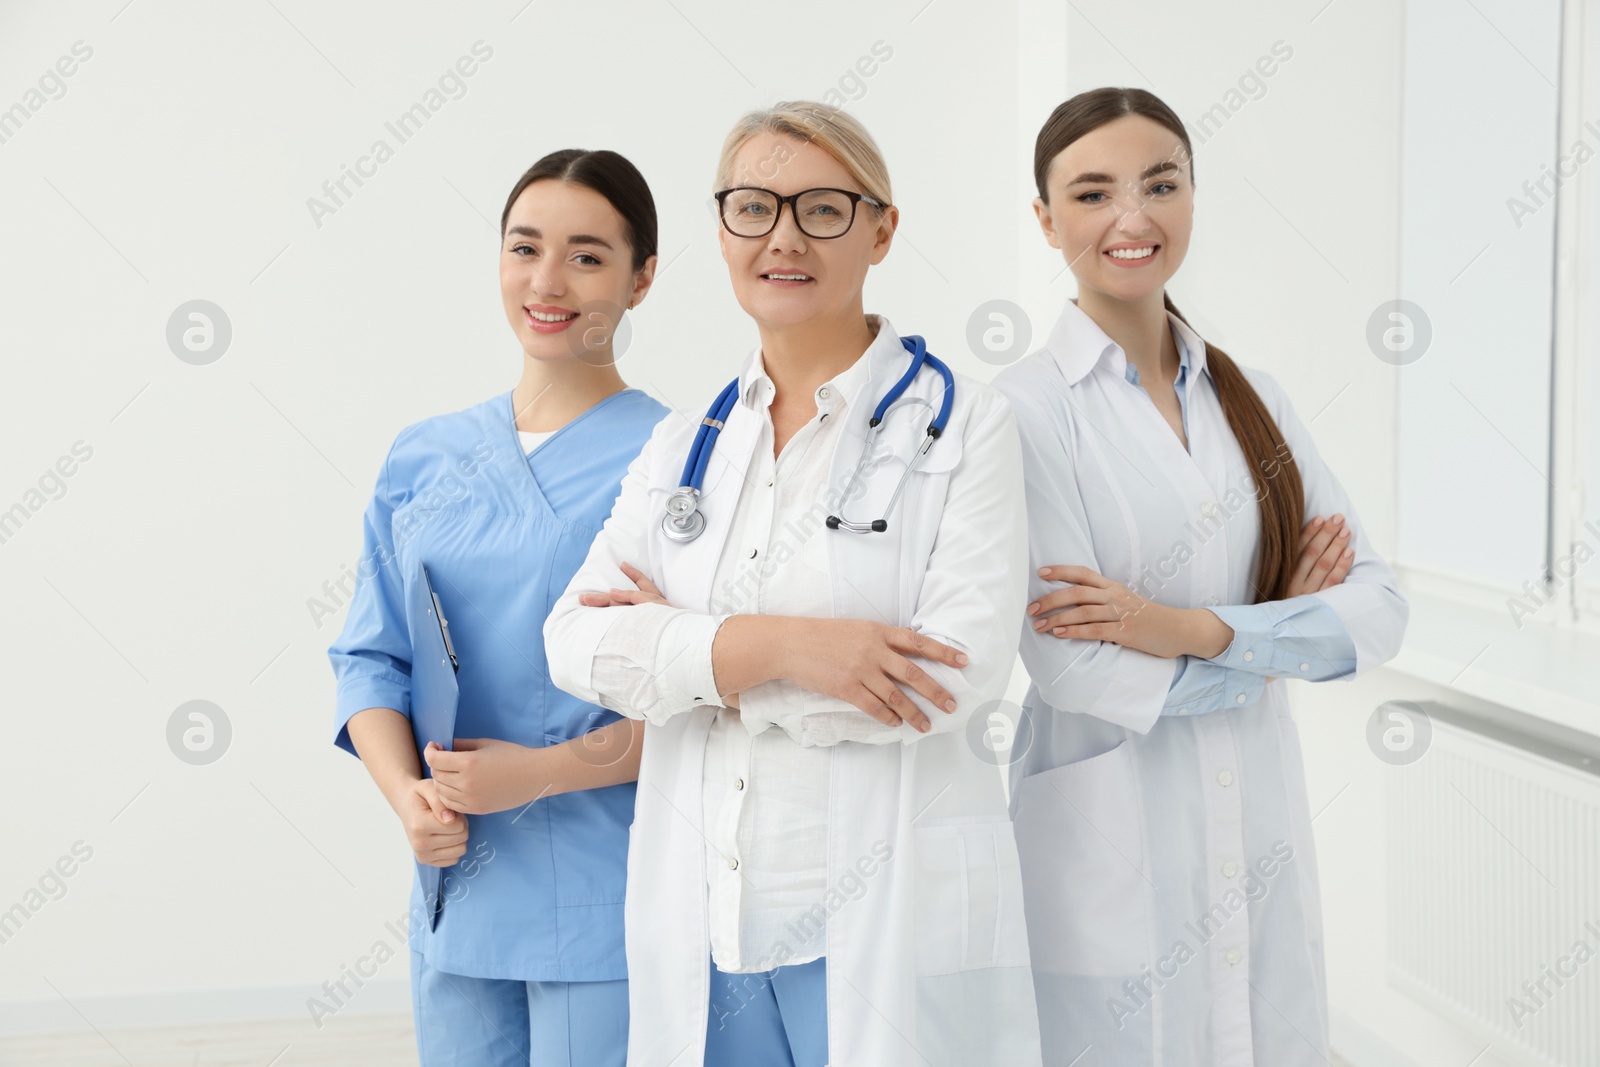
x=1185 y=441
x=508 y=401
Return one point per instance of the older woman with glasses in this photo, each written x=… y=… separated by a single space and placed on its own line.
x=821 y=868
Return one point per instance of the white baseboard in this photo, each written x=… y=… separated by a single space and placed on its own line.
x=377 y=996
x=1360 y=1047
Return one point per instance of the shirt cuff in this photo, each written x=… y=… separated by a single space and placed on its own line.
x=358 y=692
x=1301 y=637
x=809 y=719
x=1253 y=633
x=1200 y=686
x=684 y=664
x=655 y=661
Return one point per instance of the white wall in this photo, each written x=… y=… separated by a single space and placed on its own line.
x=219 y=498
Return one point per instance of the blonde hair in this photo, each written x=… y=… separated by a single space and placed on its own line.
x=840 y=135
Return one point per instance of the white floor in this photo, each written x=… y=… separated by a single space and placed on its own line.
x=356 y=1041
x=363 y=1041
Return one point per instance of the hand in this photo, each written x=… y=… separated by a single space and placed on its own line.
x=1092 y=607
x=483 y=774
x=437 y=835
x=1325 y=556
x=865 y=663
x=647 y=593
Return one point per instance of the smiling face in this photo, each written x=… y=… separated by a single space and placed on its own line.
x=1121 y=207
x=566 y=251
x=786 y=277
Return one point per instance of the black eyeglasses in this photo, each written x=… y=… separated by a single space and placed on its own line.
x=748 y=211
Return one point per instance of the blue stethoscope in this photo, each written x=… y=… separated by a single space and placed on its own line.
x=683 y=521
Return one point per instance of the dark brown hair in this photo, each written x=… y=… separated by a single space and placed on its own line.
x=610 y=175
x=1272 y=466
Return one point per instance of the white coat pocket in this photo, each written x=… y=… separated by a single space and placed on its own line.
x=968 y=897
x=1083 y=867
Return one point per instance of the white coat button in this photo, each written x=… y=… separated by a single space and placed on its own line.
x=738 y=783
x=1183 y=711
x=733 y=865
x=1305 y=666
x=769 y=481
x=752 y=553
x=1233 y=956
x=1240 y=699
x=823 y=393
x=1224 y=778
x=1248 y=656
x=1229 y=869
x=1209 y=509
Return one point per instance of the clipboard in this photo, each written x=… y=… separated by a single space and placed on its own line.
x=434 y=698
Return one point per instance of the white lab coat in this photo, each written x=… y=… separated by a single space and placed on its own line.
x=1169 y=870
x=929 y=964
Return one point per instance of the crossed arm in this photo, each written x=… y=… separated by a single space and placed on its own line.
x=1095 y=647
x=615 y=638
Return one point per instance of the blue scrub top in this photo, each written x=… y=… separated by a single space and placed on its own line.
x=539 y=894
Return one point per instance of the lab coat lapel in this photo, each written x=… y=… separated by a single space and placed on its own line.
x=871 y=1002
x=724 y=481
x=865 y=576
x=887 y=360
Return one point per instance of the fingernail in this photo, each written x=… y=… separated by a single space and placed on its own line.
x=1345 y=532
x=1033 y=609
x=1043 y=571
x=949 y=705
x=1317 y=521
x=961 y=658
x=1060 y=630
x=1349 y=552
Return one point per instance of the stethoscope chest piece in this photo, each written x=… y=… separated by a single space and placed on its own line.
x=683 y=520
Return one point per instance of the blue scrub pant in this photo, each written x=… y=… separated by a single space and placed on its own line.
x=776 y=1018
x=494 y=1022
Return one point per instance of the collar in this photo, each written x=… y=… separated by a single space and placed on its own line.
x=756 y=387
x=1079 y=345
x=1132 y=373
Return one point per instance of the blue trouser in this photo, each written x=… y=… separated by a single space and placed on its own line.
x=776 y=1018
x=495 y=1022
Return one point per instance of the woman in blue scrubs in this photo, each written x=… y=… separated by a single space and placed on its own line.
x=529 y=814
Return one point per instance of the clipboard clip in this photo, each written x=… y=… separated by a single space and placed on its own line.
x=444 y=631
x=444 y=624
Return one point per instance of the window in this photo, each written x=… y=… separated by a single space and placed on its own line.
x=1499 y=451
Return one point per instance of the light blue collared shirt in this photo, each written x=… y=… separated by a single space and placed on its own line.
x=1132 y=374
x=1301 y=637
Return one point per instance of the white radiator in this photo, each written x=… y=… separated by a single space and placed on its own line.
x=1493 y=857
